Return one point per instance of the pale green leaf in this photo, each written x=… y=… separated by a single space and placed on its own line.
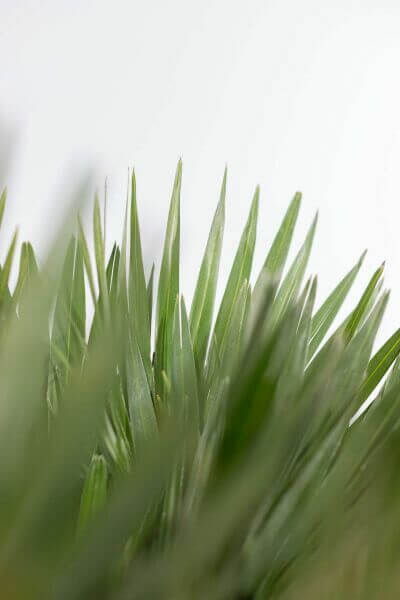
x=292 y=281
x=240 y=273
x=138 y=307
x=326 y=314
x=362 y=307
x=202 y=309
x=379 y=364
x=94 y=492
x=279 y=250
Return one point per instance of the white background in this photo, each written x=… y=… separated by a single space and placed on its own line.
x=290 y=94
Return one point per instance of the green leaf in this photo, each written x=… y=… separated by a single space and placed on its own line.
x=68 y=335
x=259 y=372
x=87 y=261
x=279 y=250
x=340 y=331
x=326 y=314
x=3 y=199
x=138 y=304
x=122 y=278
x=360 y=346
x=112 y=274
x=299 y=358
x=183 y=407
x=22 y=273
x=100 y=260
x=393 y=378
x=5 y=272
x=362 y=307
x=28 y=274
x=377 y=408
x=232 y=349
x=142 y=416
x=114 y=280
x=110 y=266
x=33 y=266
x=183 y=371
x=202 y=309
x=168 y=284
x=379 y=364
x=126 y=513
x=292 y=282
x=222 y=361
x=117 y=441
x=94 y=492
x=240 y=273
x=112 y=270
x=105 y=203
x=294 y=369
x=150 y=285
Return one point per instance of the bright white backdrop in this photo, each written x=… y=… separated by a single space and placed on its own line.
x=291 y=95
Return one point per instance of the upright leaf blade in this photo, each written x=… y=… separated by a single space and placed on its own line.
x=94 y=492
x=379 y=364
x=142 y=416
x=138 y=305
x=168 y=284
x=122 y=275
x=5 y=271
x=3 y=200
x=111 y=266
x=22 y=273
x=87 y=262
x=362 y=307
x=100 y=260
x=292 y=282
x=240 y=273
x=112 y=282
x=183 y=370
x=279 y=250
x=326 y=314
x=68 y=334
x=202 y=309
x=150 y=286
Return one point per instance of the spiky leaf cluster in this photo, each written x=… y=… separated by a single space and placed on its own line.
x=157 y=452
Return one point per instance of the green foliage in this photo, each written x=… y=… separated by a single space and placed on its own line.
x=204 y=296
x=201 y=460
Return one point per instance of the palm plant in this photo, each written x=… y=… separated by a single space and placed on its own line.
x=217 y=462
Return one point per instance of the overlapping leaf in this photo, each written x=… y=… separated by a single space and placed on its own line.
x=215 y=462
